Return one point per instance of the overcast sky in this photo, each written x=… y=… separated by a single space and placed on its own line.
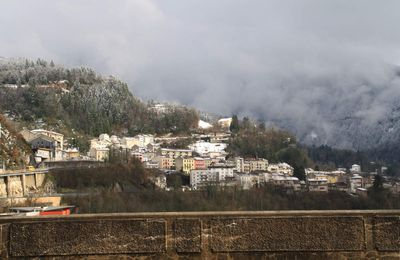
x=270 y=59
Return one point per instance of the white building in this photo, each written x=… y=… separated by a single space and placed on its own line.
x=319 y=185
x=355 y=168
x=286 y=181
x=205 y=148
x=239 y=164
x=104 y=138
x=159 y=108
x=103 y=141
x=151 y=165
x=248 y=181
x=199 y=178
x=213 y=175
x=222 y=171
x=356 y=181
x=225 y=122
x=115 y=140
x=204 y=125
x=280 y=168
x=175 y=153
x=141 y=141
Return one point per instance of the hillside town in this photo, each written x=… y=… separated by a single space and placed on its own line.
x=204 y=161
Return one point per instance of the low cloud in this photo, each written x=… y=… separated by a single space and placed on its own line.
x=305 y=64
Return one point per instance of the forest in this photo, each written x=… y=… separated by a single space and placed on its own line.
x=215 y=199
x=253 y=139
x=79 y=100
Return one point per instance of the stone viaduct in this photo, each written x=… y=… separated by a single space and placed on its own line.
x=205 y=235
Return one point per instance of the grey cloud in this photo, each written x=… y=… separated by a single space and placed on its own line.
x=305 y=64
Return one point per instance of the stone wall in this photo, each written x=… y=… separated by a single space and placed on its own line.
x=30 y=183
x=39 y=180
x=30 y=200
x=15 y=188
x=23 y=184
x=3 y=188
x=207 y=235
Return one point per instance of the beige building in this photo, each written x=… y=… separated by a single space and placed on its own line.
x=258 y=164
x=330 y=176
x=99 y=153
x=246 y=167
x=140 y=141
x=71 y=154
x=185 y=164
x=165 y=163
x=280 y=168
x=40 y=138
x=250 y=165
x=59 y=138
x=208 y=162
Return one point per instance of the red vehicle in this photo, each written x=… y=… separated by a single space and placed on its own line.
x=44 y=211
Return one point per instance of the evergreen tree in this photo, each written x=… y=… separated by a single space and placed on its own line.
x=246 y=124
x=261 y=125
x=234 y=127
x=299 y=172
x=378 y=183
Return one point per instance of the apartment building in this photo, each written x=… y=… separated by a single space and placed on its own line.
x=317 y=185
x=175 y=153
x=258 y=164
x=214 y=175
x=165 y=163
x=205 y=148
x=185 y=164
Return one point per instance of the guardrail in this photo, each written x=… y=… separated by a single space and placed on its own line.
x=24 y=171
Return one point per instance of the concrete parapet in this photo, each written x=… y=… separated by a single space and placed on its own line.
x=205 y=235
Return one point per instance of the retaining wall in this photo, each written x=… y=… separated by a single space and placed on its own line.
x=205 y=235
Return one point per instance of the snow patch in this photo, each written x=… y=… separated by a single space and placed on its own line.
x=204 y=125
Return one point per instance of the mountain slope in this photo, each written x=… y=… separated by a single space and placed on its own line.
x=14 y=151
x=359 y=113
x=80 y=99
